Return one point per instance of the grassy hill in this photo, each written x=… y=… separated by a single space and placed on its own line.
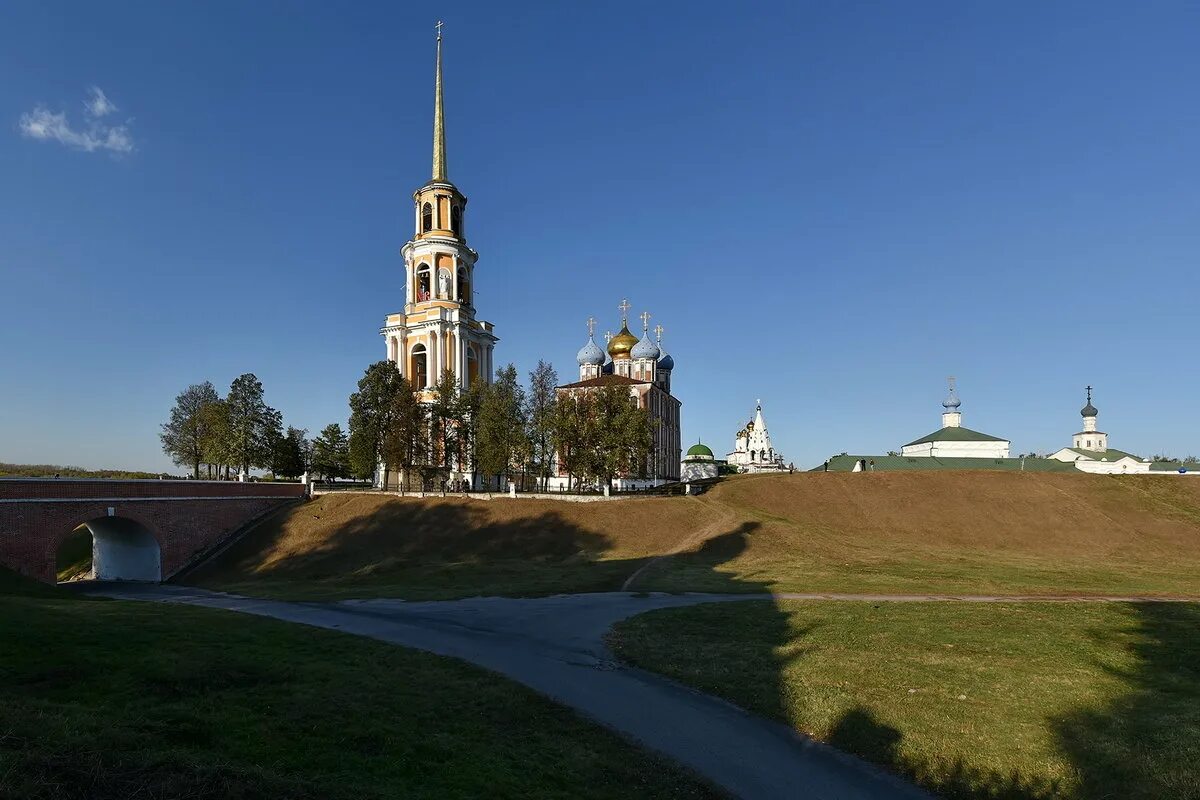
x=50 y=470
x=955 y=532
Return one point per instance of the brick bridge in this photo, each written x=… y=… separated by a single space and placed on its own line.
x=141 y=530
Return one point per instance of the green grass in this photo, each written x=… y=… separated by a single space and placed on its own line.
x=445 y=581
x=106 y=699
x=1014 y=700
x=74 y=558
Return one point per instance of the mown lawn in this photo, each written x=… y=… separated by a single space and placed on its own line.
x=106 y=699
x=1013 y=700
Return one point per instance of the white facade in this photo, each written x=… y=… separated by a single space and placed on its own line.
x=752 y=448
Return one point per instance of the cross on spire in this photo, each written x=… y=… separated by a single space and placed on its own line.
x=624 y=306
x=658 y=332
x=591 y=323
x=608 y=336
x=645 y=321
x=1089 y=391
x=951 y=381
x=439 y=29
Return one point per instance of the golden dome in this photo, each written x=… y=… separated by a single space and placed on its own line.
x=620 y=345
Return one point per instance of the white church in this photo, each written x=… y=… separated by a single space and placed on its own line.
x=1089 y=450
x=952 y=440
x=752 y=448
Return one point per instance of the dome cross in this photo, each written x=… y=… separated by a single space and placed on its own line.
x=624 y=307
x=645 y=320
x=658 y=332
x=591 y=323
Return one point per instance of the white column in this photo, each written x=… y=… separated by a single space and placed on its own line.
x=463 y=378
x=431 y=359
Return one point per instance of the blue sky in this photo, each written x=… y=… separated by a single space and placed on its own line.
x=828 y=206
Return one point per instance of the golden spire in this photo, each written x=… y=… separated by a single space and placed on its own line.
x=439 y=118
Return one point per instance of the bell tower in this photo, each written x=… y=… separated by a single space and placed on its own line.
x=437 y=330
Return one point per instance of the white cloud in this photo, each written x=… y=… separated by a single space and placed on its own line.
x=98 y=105
x=45 y=125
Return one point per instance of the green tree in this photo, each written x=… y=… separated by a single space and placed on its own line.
x=539 y=419
x=292 y=454
x=406 y=443
x=444 y=422
x=372 y=410
x=469 y=402
x=216 y=441
x=622 y=437
x=185 y=433
x=331 y=453
x=571 y=430
x=500 y=435
x=254 y=427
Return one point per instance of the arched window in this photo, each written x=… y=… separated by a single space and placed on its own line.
x=472 y=366
x=464 y=287
x=419 y=363
x=426 y=218
x=456 y=220
x=424 y=283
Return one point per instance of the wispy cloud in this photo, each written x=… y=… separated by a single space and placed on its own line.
x=46 y=125
x=98 y=105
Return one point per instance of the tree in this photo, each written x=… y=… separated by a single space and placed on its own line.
x=216 y=440
x=603 y=433
x=254 y=427
x=539 y=418
x=331 y=453
x=184 y=435
x=469 y=402
x=571 y=429
x=371 y=418
x=406 y=442
x=444 y=432
x=292 y=453
x=500 y=436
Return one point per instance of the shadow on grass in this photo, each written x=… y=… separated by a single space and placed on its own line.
x=1145 y=745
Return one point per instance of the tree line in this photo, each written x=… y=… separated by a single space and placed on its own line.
x=240 y=432
x=502 y=431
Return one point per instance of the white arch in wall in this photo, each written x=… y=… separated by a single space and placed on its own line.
x=123 y=549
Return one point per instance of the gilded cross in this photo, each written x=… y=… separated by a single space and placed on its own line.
x=591 y=323
x=658 y=332
x=624 y=309
x=608 y=336
x=645 y=320
x=439 y=29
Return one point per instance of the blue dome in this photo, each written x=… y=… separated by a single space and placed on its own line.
x=666 y=362
x=645 y=348
x=951 y=403
x=590 y=354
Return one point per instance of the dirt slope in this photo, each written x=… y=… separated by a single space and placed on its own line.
x=936 y=531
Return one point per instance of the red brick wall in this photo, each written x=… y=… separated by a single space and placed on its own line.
x=31 y=532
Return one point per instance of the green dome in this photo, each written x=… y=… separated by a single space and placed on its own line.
x=699 y=450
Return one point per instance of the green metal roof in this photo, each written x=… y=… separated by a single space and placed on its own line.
x=1173 y=466
x=1103 y=455
x=956 y=434
x=892 y=463
x=699 y=450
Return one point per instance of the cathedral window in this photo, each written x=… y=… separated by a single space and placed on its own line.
x=426 y=218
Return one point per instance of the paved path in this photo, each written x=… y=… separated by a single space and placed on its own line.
x=555 y=646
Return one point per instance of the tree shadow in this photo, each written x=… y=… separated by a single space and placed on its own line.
x=1149 y=738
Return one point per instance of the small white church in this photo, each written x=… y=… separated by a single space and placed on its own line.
x=952 y=440
x=1089 y=450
